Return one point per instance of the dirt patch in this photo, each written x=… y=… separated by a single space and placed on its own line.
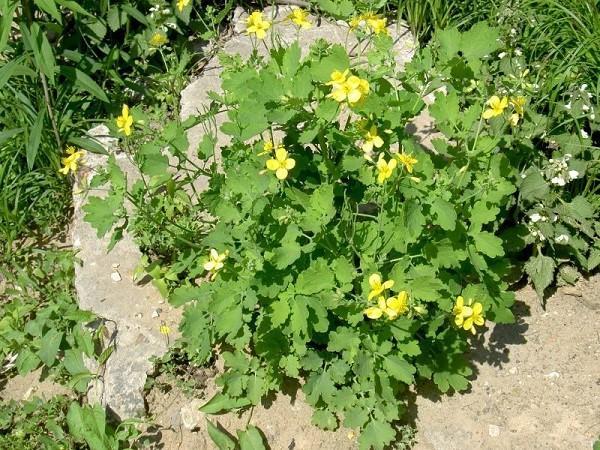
x=537 y=382
x=33 y=384
x=537 y=385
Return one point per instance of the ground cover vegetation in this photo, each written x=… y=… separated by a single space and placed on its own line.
x=330 y=247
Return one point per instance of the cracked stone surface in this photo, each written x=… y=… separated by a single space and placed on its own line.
x=104 y=285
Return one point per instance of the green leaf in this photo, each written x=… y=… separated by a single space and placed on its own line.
x=26 y=361
x=483 y=213
x=89 y=144
x=35 y=137
x=479 y=41
x=135 y=13
x=376 y=435
x=49 y=6
x=291 y=60
x=488 y=244
x=84 y=82
x=445 y=214
x=320 y=209
x=324 y=419
x=219 y=403
x=318 y=277
x=50 y=345
x=336 y=60
x=101 y=213
x=220 y=438
x=534 y=187
x=399 y=368
x=251 y=439
x=540 y=269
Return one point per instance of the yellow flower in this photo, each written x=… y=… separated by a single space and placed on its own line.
x=300 y=18
x=355 y=22
x=519 y=104
x=338 y=78
x=255 y=24
x=407 y=160
x=377 y=287
x=476 y=318
x=372 y=139
x=392 y=307
x=461 y=311
x=125 y=121
x=281 y=164
x=351 y=89
x=467 y=316
x=215 y=262
x=397 y=305
x=496 y=107
x=182 y=4
x=385 y=169
x=70 y=163
x=164 y=329
x=378 y=25
x=158 y=39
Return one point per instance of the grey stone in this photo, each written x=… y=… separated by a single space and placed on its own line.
x=136 y=338
x=191 y=417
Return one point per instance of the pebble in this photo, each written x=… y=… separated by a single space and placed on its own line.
x=138 y=316
x=115 y=265
x=156 y=313
x=552 y=375
x=115 y=276
x=513 y=371
x=494 y=430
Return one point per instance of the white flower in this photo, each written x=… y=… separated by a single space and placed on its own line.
x=562 y=238
x=518 y=52
x=501 y=55
x=560 y=181
x=584 y=134
x=568 y=106
x=535 y=217
x=573 y=174
x=583 y=87
x=585 y=107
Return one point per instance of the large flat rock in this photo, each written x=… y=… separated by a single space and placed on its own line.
x=105 y=286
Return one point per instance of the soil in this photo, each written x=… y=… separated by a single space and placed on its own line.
x=536 y=386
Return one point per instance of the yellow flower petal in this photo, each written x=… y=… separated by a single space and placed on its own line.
x=281 y=173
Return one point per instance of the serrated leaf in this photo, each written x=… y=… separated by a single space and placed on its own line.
x=376 y=435
x=50 y=346
x=488 y=244
x=399 y=368
x=445 y=214
x=324 y=419
x=540 y=269
x=101 y=213
x=316 y=278
x=534 y=187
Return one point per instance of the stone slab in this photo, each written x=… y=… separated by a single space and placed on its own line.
x=105 y=286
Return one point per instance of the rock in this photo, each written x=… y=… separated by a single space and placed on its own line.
x=136 y=338
x=552 y=375
x=156 y=313
x=494 y=430
x=115 y=276
x=513 y=371
x=191 y=417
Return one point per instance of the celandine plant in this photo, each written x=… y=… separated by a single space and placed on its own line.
x=335 y=250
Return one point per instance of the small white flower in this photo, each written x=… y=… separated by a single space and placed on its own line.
x=563 y=238
x=584 y=134
x=535 y=217
x=523 y=175
x=513 y=31
x=585 y=107
x=568 y=106
x=555 y=218
x=573 y=174
x=583 y=87
x=501 y=55
x=567 y=156
x=518 y=52
x=560 y=181
x=541 y=236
